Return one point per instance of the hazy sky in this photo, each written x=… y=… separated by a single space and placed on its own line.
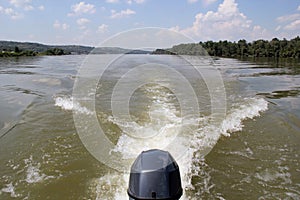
x=88 y=22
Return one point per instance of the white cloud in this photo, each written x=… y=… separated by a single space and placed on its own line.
x=135 y=1
x=298 y=8
x=207 y=2
x=287 y=18
x=11 y=13
x=41 y=7
x=227 y=23
x=102 y=28
x=295 y=25
x=112 y=1
x=25 y=4
x=19 y=3
x=229 y=8
x=58 y=25
x=278 y=28
x=192 y=1
x=28 y=7
x=65 y=26
x=128 y=1
x=139 y=1
x=289 y=22
x=175 y=28
x=121 y=14
x=82 y=8
x=82 y=22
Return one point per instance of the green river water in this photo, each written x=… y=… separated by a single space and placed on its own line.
x=254 y=152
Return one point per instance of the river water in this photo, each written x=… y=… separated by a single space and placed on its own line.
x=253 y=152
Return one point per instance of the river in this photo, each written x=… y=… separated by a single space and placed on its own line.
x=252 y=152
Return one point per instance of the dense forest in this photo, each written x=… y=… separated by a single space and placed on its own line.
x=260 y=48
x=11 y=48
x=18 y=52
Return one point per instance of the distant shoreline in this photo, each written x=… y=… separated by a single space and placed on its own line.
x=12 y=48
x=242 y=49
x=16 y=49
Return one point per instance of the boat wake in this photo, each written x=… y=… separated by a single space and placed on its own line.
x=163 y=124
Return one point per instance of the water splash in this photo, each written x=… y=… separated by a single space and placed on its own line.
x=248 y=109
x=33 y=172
x=67 y=103
x=10 y=188
x=164 y=124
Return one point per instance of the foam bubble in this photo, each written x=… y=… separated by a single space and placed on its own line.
x=110 y=186
x=10 y=189
x=33 y=173
x=250 y=108
x=208 y=132
x=270 y=175
x=67 y=103
x=162 y=127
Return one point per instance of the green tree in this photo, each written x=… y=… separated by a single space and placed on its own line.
x=17 y=50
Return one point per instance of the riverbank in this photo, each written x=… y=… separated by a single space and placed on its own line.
x=257 y=49
x=18 y=53
x=274 y=48
x=13 y=49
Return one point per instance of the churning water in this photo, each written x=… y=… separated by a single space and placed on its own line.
x=254 y=147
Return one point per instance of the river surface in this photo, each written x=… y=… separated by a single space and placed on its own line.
x=253 y=152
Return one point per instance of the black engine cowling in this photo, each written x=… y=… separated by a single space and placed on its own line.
x=154 y=175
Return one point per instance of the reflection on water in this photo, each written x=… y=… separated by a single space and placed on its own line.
x=256 y=157
x=281 y=94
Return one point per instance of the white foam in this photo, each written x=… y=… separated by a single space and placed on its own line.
x=111 y=186
x=67 y=103
x=10 y=189
x=163 y=127
x=208 y=134
x=164 y=124
x=250 y=108
x=33 y=173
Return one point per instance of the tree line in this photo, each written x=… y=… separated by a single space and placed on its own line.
x=274 y=48
x=12 y=48
x=19 y=52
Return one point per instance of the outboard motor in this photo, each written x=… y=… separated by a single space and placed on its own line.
x=154 y=175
